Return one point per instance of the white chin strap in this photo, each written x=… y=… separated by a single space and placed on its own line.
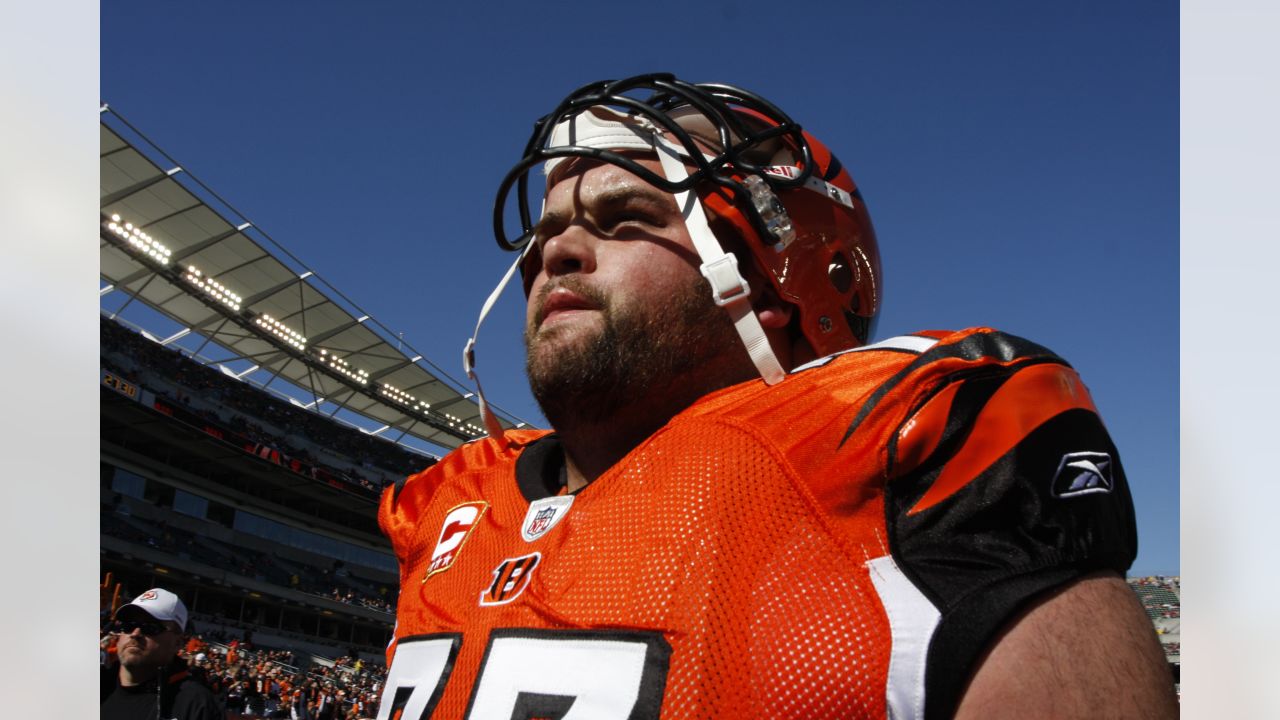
x=602 y=128
x=728 y=288
x=491 y=423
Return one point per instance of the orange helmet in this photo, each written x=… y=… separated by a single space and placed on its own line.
x=783 y=196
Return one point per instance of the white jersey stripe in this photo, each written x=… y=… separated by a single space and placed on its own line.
x=914 y=343
x=912 y=622
x=908 y=343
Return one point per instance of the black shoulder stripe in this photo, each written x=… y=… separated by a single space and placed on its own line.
x=996 y=345
x=977 y=386
x=833 y=169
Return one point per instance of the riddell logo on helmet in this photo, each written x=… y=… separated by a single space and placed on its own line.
x=785 y=171
x=454 y=531
x=148 y=595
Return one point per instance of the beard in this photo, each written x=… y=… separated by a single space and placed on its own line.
x=644 y=355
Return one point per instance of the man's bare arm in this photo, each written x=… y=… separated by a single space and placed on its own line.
x=1085 y=651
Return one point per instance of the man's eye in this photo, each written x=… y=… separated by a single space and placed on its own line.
x=544 y=231
x=630 y=218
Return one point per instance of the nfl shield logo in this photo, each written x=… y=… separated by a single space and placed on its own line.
x=543 y=515
x=541 y=521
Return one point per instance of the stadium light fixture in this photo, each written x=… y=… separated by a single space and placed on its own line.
x=404 y=398
x=458 y=423
x=342 y=366
x=138 y=242
x=424 y=408
x=212 y=288
x=281 y=331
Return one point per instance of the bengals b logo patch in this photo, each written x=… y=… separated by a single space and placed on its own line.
x=510 y=579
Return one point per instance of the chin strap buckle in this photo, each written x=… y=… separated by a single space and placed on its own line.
x=727 y=285
x=728 y=289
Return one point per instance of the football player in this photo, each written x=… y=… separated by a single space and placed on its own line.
x=744 y=509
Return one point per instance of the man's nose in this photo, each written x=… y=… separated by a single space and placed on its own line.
x=572 y=250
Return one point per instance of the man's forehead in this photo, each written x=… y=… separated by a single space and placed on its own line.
x=599 y=185
x=576 y=168
x=605 y=128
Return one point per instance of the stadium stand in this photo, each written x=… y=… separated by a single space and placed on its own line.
x=234 y=411
x=1161 y=597
x=250 y=416
x=280 y=560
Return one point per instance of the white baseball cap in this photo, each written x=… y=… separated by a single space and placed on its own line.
x=159 y=604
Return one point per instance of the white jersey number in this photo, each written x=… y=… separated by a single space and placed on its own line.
x=416 y=678
x=570 y=675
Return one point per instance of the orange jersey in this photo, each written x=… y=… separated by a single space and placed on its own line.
x=841 y=544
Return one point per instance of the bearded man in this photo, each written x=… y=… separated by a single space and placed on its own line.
x=745 y=509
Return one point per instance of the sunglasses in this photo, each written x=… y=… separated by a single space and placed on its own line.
x=150 y=628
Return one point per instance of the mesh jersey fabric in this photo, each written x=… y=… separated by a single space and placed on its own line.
x=726 y=567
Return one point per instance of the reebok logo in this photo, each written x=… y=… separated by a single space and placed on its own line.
x=1082 y=473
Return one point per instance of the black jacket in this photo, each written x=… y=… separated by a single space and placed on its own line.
x=181 y=696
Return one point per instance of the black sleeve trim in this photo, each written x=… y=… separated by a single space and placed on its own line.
x=965 y=631
x=1004 y=538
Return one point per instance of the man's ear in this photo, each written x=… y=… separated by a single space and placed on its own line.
x=774 y=314
x=780 y=320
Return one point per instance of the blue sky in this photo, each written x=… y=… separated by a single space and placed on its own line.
x=1020 y=160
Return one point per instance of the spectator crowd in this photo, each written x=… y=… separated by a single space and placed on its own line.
x=248 y=412
x=1159 y=595
x=250 y=682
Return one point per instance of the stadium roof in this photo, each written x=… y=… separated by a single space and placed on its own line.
x=173 y=244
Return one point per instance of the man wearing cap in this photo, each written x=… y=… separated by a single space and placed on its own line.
x=150 y=680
